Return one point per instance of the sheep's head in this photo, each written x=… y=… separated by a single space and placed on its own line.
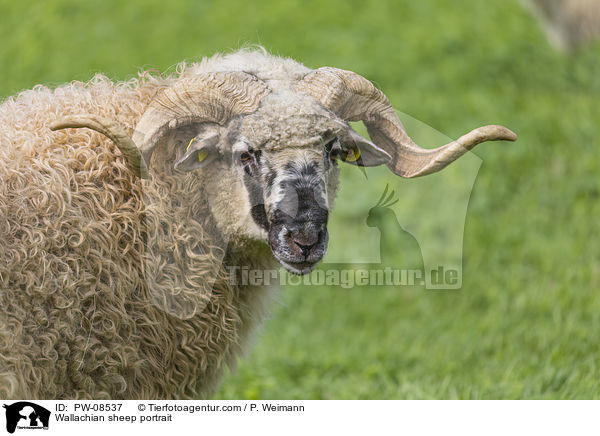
x=281 y=146
x=284 y=160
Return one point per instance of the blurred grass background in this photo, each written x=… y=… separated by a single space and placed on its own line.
x=526 y=322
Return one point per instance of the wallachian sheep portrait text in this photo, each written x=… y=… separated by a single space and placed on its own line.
x=346 y=278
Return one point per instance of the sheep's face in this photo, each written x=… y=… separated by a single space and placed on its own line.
x=284 y=178
x=290 y=193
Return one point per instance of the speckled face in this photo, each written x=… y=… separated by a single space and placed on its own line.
x=290 y=193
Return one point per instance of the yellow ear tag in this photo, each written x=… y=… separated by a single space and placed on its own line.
x=190 y=144
x=202 y=155
x=353 y=155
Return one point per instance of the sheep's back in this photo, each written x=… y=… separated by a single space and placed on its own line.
x=68 y=204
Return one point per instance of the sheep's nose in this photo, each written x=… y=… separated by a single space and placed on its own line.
x=305 y=249
x=304 y=239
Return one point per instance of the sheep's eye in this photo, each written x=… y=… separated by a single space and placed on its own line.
x=249 y=160
x=246 y=158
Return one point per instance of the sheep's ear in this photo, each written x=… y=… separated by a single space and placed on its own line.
x=357 y=150
x=201 y=150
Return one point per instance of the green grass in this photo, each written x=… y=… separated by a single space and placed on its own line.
x=526 y=323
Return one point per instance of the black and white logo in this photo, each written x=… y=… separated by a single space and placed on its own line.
x=26 y=415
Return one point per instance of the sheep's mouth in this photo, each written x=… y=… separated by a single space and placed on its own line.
x=299 y=268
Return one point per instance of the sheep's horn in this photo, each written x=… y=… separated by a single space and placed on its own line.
x=207 y=97
x=354 y=98
x=114 y=132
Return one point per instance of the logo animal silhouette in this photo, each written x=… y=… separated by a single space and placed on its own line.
x=397 y=247
x=30 y=413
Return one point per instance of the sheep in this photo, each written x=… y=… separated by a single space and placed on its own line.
x=568 y=23
x=125 y=205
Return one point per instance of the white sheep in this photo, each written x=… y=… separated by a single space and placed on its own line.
x=114 y=260
x=568 y=23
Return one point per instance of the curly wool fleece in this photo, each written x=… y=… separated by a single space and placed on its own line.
x=103 y=277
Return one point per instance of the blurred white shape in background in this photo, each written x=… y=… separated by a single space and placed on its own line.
x=568 y=23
